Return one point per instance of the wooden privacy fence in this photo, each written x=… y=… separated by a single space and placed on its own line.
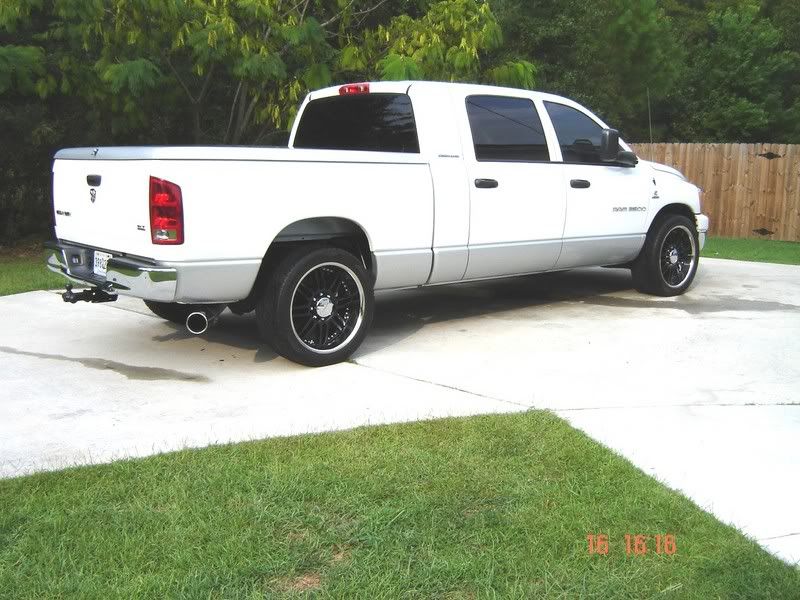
x=749 y=190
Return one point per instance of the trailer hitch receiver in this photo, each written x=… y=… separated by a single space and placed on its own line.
x=93 y=294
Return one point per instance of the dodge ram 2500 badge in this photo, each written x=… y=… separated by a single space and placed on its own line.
x=383 y=185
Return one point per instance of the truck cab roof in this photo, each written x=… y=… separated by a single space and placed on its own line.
x=403 y=87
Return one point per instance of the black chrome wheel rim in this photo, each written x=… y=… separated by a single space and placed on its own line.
x=678 y=256
x=327 y=308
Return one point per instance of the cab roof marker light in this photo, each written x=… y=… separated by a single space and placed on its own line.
x=354 y=88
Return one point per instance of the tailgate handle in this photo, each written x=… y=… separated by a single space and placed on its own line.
x=93 y=180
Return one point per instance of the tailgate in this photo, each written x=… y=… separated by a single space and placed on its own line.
x=103 y=204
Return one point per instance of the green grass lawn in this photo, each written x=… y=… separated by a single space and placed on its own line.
x=26 y=272
x=769 y=251
x=485 y=507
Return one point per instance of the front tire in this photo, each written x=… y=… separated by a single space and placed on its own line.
x=317 y=307
x=670 y=257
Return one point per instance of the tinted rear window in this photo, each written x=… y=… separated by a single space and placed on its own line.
x=506 y=129
x=373 y=122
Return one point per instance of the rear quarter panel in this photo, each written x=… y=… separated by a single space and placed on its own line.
x=235 y=209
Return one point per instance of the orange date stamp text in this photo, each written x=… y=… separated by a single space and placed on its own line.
x=635 y=544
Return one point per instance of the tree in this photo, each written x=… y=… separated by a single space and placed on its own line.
x=447 y=43
x=737 y=88
x=88 y=72
x=607 y=54
x=640 y=60
x=132 y=60
x=721 y=70
x=232 y=64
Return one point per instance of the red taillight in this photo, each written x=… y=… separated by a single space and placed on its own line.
x=166 y=212
x=354 y=88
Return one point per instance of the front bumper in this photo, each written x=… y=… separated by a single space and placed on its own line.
x=125 y=275
x=702 y=228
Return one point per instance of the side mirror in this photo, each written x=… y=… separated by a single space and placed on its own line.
x=609 y=145
x=627 y=159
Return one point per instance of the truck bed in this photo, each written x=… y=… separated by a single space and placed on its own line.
x=237 y=200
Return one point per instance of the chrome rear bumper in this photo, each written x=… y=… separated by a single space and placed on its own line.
x=124 y=275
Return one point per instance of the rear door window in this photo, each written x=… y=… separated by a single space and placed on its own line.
x=578 y=134
x=369 y=122
x=506 y=129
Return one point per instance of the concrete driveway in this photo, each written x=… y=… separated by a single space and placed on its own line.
x=700 y=391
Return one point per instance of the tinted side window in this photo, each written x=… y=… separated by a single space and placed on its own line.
x=373 y=122
x=506 y=129
x=578 y=135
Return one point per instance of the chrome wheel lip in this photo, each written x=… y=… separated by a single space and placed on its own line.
x=361 y=308
x=693 y=259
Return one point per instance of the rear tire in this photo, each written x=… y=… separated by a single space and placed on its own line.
x=317 y=306
x=670 y=257
x=171 y=311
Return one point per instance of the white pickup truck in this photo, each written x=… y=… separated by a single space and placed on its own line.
x=383 y=186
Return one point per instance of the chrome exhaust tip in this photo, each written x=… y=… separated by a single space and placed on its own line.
x=197 y=323
x=203 y=319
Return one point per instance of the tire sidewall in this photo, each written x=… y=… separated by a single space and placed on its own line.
x=657 y=284
x=296 y=266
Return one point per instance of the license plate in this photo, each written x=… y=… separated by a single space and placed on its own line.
x=101 y=263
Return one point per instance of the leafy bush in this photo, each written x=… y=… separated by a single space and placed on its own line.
x=89 y=73
x=100 y=73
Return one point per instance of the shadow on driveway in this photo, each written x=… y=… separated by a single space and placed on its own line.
x=402 y=313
